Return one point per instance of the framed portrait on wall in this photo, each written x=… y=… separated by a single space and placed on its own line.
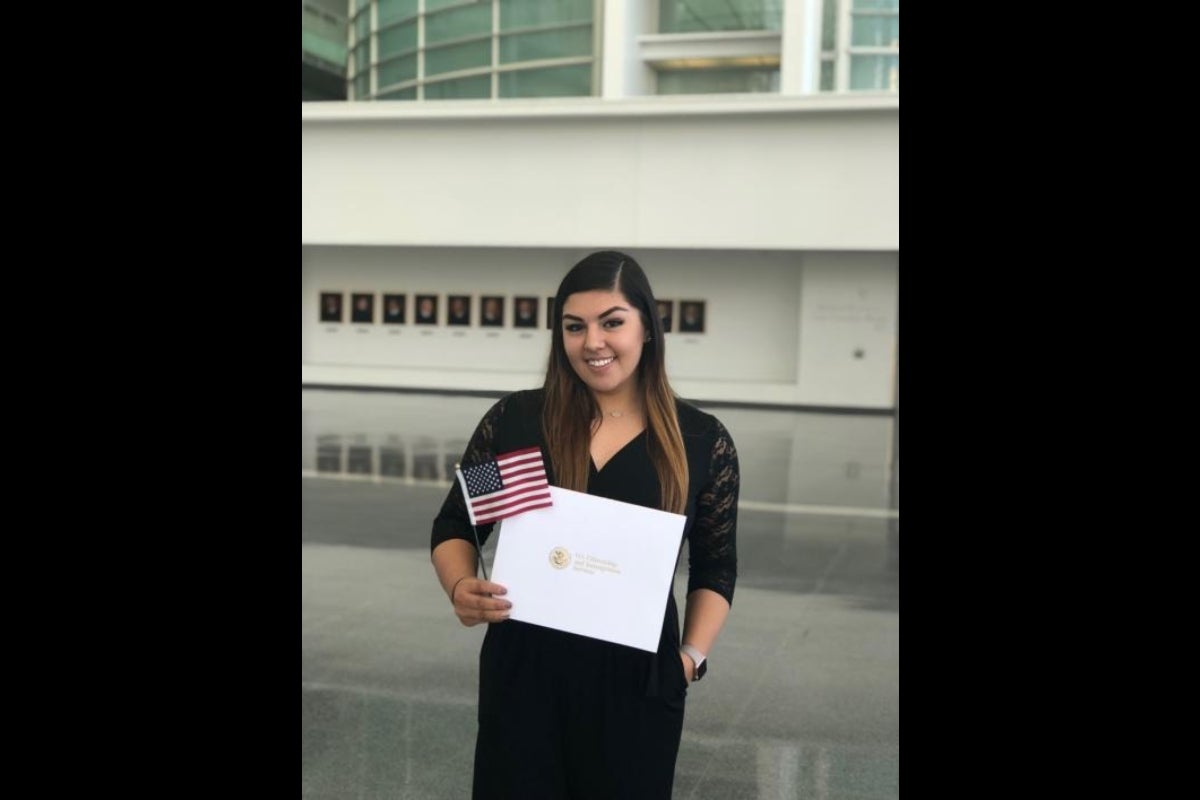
x=363 y=308
x=691 y=316
x=393 y=308
x=525 y=312
x=458 y=309
x=549 y=313
x=665 y=310
x=331 y=306
x=427 y=309
x=491 y=311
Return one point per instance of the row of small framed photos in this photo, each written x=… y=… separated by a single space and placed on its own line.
x=494 y=310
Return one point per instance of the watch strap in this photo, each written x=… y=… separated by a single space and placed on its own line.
x=697 y=657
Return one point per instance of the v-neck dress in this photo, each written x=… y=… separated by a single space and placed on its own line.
x=567 y=716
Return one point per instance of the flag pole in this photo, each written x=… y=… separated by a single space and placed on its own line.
x=462 y=483
x=479 y=550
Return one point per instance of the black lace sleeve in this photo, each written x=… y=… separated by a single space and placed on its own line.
x=453 y=522
x=712 y=547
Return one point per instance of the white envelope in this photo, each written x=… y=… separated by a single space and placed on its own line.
x=592 y=566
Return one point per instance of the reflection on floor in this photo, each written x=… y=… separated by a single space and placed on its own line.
x=802 y=698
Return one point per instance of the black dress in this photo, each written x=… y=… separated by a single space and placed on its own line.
x=567 y=716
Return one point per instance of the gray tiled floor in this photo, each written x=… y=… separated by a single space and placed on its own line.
x=803 y=697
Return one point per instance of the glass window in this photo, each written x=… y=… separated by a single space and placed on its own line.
x=573 y=81
x=398 y=70
x=875 y=72
x=876 y=31
x=558 y=43
x=458 y=56
x=434 y=5
x=397 y=40
x=435 y=38
x=534 y=13
x=683 y=16
x=461 y=88
x=331 y=51
x=400 y=94
x=717 y=81
x=829 y=25
x=316 y=21
x=395 y=10
x=458 y=23
x=874 y=25
x=876 y=5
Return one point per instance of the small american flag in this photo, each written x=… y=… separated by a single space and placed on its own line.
x=512 y=483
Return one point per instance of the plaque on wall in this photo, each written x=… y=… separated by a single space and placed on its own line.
x=665 y=310
x=363 y=308
x=393 y=308
x=525 y=312
x=691 y=316
x=458 y=308
x=491 y=311
x=427 y=309
x=331 y=306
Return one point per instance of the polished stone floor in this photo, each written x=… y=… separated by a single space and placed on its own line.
x=802 y=699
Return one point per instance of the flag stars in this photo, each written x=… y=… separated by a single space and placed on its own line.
x=483 y=478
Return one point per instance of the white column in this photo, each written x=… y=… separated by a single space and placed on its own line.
x=800 y=48
x=622 y=71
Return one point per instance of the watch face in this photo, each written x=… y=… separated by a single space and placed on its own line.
x=703 y=668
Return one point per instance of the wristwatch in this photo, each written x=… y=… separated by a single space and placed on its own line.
x=698 y=658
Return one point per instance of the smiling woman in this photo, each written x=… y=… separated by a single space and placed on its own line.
x=558 y=710
x=605 y=346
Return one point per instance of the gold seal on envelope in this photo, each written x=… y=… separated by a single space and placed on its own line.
x=560 y=558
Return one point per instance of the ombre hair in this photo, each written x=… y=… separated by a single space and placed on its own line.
x=571 y=410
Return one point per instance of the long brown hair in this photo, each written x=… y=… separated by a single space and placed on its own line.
x=571 y=409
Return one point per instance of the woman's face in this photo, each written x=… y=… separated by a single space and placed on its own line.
x=603 y=336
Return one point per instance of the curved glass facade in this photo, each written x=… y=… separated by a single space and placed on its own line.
x=859 y=46
x=688 y=16
x=446 y=49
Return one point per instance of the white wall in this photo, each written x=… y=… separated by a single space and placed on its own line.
x=848 y=329
x=781 y=212
x=775 y=333
x=731 y=172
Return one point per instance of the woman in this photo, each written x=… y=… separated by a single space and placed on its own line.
x=563 y=715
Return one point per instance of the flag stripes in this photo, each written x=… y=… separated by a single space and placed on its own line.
x=512 y=483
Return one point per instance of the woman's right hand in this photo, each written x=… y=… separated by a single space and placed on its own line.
x=477 y=601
